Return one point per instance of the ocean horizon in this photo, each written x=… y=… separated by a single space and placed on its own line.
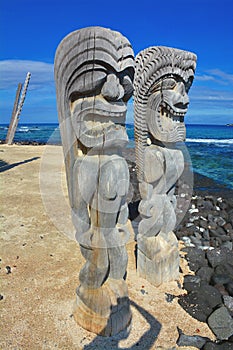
x=210 y=146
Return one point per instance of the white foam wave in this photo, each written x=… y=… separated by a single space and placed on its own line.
x=23 y=129
x=222 y=141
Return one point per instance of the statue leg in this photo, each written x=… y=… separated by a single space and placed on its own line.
x=102 y=297
x=158 y=255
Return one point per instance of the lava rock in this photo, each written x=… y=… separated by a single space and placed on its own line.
x=191 y=340
x=196 y=258
x=220 y=231
x=203 y=223
x=222 y=205
x=213 y=232
x=229 y=288
x=210 y=294
x=214 y=346
x=227 y=245
x=230 y=216
x=208 y=204
x=221 y=289
x=228 y=302
x=227 y=227
x=191 y=282
x=220 y=279
x=200 y=303
x=217 y=256
x=195 y=306
x=224 y=268
x=221 y=323
x=8 y=270
x=205 y=273
x=196 y=241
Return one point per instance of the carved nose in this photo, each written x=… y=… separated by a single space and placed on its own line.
x=112 y=90
x=180 y=88
x=184 y=99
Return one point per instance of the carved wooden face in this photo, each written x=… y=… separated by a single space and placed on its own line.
x=166 y=108
x=98 y=105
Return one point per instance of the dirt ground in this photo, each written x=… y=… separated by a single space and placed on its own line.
x=44 y=260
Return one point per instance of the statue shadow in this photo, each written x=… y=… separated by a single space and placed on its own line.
x=146 y=341
x=4 y=166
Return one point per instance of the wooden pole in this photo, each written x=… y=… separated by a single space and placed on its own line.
x=18 y=91
x=15 y=117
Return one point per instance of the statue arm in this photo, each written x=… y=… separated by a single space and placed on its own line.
x=154 y=164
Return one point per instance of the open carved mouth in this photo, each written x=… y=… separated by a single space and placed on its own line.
x=176 y=114
x=96 y=121
x=100 y=121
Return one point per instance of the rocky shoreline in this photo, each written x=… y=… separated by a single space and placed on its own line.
x=207 y=233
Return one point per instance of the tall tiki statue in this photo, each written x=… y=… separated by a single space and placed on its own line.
x=94 y=69
x=162 y=80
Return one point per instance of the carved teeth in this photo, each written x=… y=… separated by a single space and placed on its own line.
x=167 y=111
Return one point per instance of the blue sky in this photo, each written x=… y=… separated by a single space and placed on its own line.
x=30 y=31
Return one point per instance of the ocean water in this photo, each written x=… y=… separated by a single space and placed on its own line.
x=210 y=146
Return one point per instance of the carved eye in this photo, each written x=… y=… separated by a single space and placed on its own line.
x=156 y=87
x=127 y=84
x=88 y=84
x=168 y=83
x=188 y=84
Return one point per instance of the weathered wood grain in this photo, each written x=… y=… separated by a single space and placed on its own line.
x=163 y=77
x=94 y=69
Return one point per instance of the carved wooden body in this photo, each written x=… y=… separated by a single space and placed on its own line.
x=94 y=69
x=163 y=77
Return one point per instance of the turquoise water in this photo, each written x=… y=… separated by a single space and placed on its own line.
x=211 y=151
x=210 y=146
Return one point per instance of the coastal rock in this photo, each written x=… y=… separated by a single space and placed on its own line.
x=229 y=288
x=216 y=257
x=208 y=204
x=230 y=217
x=191 y=340
x=8 y=270
x=220 y=231
x=227 y=227
x=228 y=302
x=220 y=221
x=206 y=235
x=204 y=223
x=205 y=273
x=187 y=241
x=224 y=269
x=196 y=258
x=200 y=302
x=214 y=346
x=227 y=244
x=195 y=306
x=196 y=241
x=220 y=279
x=221 y=289
x=191 y=282
x=221 y=323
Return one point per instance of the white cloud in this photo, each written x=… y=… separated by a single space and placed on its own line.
x=216 y=76
x=204 y=77
x=13 y=72
x=225 y=77
x=208 y=94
